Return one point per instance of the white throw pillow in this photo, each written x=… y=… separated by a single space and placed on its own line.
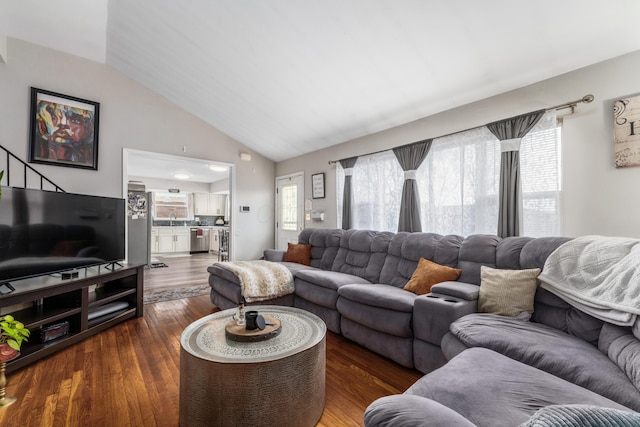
x=507 y=292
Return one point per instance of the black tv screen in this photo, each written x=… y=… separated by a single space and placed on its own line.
x=44 y=232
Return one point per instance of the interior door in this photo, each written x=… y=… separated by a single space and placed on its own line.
x=289 y=209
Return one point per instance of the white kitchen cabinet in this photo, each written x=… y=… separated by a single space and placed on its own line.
x=172 y=239
x=182 y=242
x=165 y=243
x=209 y=204
x=214 y=241
x=201 y=203
x=154 y=240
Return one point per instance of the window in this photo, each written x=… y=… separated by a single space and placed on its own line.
x=540 y=159
x=172 y=206
x=289 y=209
x=459 y=183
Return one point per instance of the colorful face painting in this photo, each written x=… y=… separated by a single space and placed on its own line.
x=64 y=131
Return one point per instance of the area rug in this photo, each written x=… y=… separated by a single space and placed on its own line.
x=151 y=297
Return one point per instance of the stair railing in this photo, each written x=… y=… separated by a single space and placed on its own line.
x=27 y=173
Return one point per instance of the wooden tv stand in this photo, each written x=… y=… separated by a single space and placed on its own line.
x=51 y=300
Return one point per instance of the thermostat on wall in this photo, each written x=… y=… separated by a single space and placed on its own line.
x=245 y=209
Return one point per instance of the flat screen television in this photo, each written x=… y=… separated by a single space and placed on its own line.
x=46 y=232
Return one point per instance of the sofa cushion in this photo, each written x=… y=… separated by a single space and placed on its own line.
x=383 y=296
x=427 y=274
x=388 y=323
x=507 y=292
x=610 y=333
x=329 y=279
x=550 y=350
x=324 y=245
x=406 y=249
x=475 y=251
x=411 y=411
x=490 y=389
x=298 y=253
x=362 y=253
x=553 y=311
x=625 y=353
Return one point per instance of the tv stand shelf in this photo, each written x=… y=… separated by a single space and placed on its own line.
x=51 y=300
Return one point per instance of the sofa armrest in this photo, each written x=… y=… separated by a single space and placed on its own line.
x=407 y=410
x=465 y=291
x=434 y=312
x=274 y=255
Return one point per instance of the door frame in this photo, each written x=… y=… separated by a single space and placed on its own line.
x=196 y=161
x=300 y=204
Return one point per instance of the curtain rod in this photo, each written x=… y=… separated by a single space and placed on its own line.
x=571 y=104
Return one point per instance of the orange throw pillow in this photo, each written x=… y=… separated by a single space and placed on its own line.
x=427 y=274
x=298 y=253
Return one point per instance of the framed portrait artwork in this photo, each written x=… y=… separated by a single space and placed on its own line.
x=317 y=185
x=64 y=130
x=626 y=131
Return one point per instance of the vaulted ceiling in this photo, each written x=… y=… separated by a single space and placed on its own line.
x=287 y=77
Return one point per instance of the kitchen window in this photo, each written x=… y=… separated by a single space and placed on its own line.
x=176 y=206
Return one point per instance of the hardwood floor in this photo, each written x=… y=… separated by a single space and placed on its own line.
x=181 y=271
x=129 y=376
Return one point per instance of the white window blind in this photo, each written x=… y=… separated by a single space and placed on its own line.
x=540 y=162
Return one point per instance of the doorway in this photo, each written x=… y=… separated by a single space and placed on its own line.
x=289 y=209
x=207 y=184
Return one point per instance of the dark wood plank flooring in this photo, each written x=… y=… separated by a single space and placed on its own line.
x=129 y=376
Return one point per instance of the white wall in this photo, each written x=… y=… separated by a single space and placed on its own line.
x=131 y=116
x=166 y=184
x=220 y=187
x=597 y=197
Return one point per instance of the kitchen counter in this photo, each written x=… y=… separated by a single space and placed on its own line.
x=182 y=238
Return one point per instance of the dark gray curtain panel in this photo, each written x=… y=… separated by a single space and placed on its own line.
x=510 y=203
x=410 y=158
x=347 y=196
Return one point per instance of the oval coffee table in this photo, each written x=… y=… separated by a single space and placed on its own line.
x=276 y=382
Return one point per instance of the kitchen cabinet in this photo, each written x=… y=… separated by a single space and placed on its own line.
x=154 y=240
x=209 y=204
x=214 y=245
x=171 y=239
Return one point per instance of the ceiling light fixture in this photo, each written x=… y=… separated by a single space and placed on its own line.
x=181 y=175
x=218 y=168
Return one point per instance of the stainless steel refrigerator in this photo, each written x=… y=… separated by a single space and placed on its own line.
x=139 y=228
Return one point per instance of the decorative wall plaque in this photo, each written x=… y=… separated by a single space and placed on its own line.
x=626 y=131
x=317 y=183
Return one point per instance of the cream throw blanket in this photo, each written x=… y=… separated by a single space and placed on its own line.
x=599 y=275
x=261 y=280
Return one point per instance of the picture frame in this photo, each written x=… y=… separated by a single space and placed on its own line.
x=317 y=185
x=626 y=131
x=63 y=130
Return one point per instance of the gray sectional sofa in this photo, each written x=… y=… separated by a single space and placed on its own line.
x=355 y=281
x=482 y=369
x=506 y=371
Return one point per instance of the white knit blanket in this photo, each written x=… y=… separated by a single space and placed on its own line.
x=261 y=280
x=598 y=275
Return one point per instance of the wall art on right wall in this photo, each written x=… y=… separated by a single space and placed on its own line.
x=626 y=131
